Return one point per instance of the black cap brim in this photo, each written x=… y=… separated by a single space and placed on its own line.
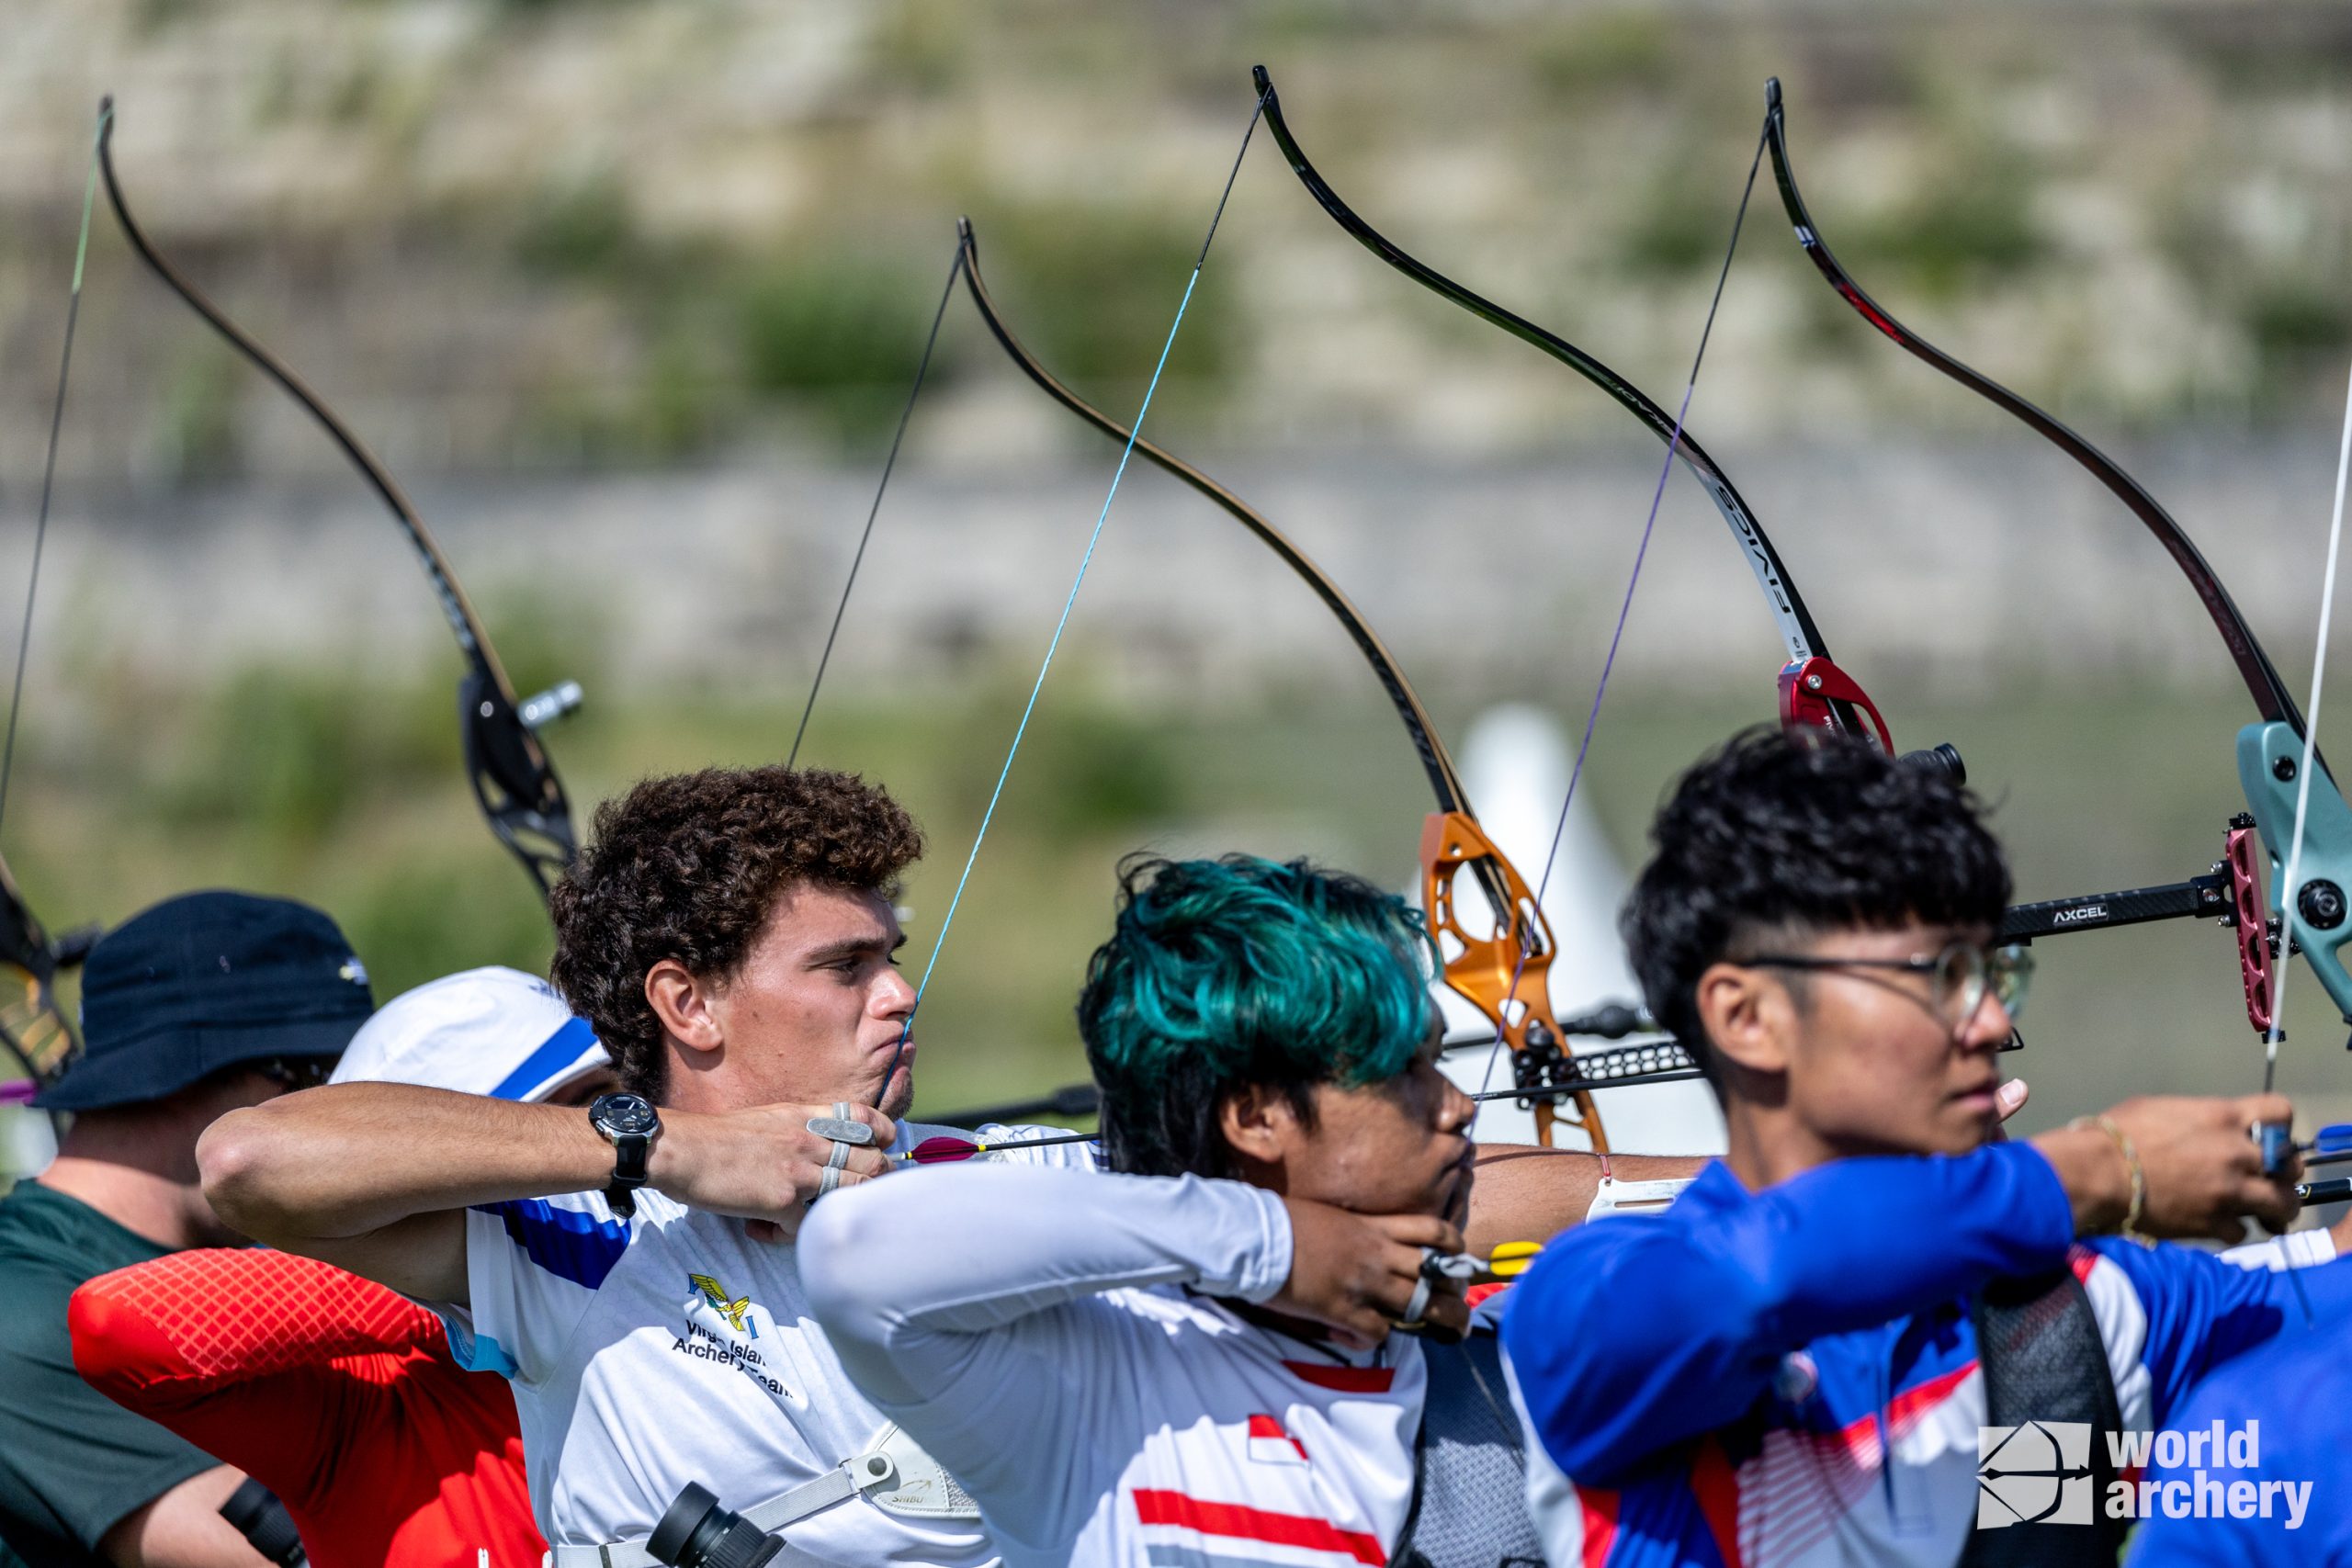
x=168 y=1062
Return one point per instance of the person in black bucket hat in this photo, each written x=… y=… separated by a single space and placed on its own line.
x=203 y=1004
x=207 y=981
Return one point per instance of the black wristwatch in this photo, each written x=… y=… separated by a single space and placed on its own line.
x=630 y=1123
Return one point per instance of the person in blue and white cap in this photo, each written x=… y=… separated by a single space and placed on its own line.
x=461 y=1032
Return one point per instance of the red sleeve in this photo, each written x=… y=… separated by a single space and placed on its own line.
x=248 y=1354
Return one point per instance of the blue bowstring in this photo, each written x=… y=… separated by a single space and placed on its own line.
x=1054 y=646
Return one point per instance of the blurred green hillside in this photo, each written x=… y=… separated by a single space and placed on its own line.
x=328 y=785
x=558 y=232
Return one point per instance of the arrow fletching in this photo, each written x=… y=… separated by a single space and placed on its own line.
x=944 y=1150
x=1511 y=1258
x=2332 y=1140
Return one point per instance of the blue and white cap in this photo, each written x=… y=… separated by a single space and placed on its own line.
x=494 y=1032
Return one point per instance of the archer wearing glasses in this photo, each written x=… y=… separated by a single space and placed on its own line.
x=1960 y=976
x=1796 y=1358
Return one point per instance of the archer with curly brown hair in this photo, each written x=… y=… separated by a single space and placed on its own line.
x=686 y=874
x=730 y=937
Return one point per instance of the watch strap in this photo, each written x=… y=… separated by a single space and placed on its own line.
x=631 y=1153
x=632 y=1158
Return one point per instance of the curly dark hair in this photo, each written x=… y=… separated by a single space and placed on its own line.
x=1777 y=837
x=690 y=868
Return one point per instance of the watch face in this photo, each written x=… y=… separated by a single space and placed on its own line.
x=624 y=1114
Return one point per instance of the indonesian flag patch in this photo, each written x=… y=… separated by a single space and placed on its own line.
x=1270 y=1444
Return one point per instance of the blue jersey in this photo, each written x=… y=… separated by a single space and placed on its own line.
x=1790 y=1377
x=2271 y=1492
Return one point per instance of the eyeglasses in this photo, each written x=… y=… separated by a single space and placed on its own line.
x=297 y=1072
x=1962 y=976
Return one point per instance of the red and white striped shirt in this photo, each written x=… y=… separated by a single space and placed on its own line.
x=1055 y=1340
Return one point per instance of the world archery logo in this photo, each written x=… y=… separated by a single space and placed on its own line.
x=732 y=1310
x=2039 y=1473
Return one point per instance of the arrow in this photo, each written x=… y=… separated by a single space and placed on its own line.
x=942 y=1149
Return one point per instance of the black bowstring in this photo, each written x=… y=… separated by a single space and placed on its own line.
x=1640 y=554
x=922 y=369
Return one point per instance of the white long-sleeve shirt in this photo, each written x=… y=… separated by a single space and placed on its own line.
x=673 y=1347
x=1050 y=1337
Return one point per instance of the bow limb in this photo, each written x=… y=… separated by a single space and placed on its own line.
x=1814 y=690
x=2269 y=753
x=513 y=780
x=2262 y=679
x=33 y=1029
x=1479 y=967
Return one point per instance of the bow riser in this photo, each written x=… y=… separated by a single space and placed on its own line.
x=34 y=1031
x=2270 y=758
x=1813 y=693
x=1506 y=973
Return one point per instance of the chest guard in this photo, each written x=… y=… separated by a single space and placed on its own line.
x=2043 y=1360
x=1470 y=1467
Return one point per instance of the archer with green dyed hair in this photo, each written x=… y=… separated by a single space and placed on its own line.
x=1192 y=1351
x=1230 y=983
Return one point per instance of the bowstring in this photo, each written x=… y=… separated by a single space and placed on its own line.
x=1624 y=607
x=922 y=369
x=2293 y=874
x=48 y=462
x=1054 y=645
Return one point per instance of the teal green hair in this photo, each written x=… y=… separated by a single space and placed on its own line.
x=1221 y=974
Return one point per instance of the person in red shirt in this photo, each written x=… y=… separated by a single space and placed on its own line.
x=336 y=1393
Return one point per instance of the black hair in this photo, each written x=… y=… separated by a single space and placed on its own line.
x=1777 y=837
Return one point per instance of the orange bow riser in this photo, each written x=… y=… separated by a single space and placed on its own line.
x=1504 y=972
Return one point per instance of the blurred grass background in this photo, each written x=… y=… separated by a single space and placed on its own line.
x=321 y=785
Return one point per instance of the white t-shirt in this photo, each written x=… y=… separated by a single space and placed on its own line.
x=649 y=1353
x=1050 y=1338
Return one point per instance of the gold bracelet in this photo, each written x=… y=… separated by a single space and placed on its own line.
x=2130 y=1230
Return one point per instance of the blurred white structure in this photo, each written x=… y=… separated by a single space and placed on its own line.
x=26 y=1145
x=1515 y=765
